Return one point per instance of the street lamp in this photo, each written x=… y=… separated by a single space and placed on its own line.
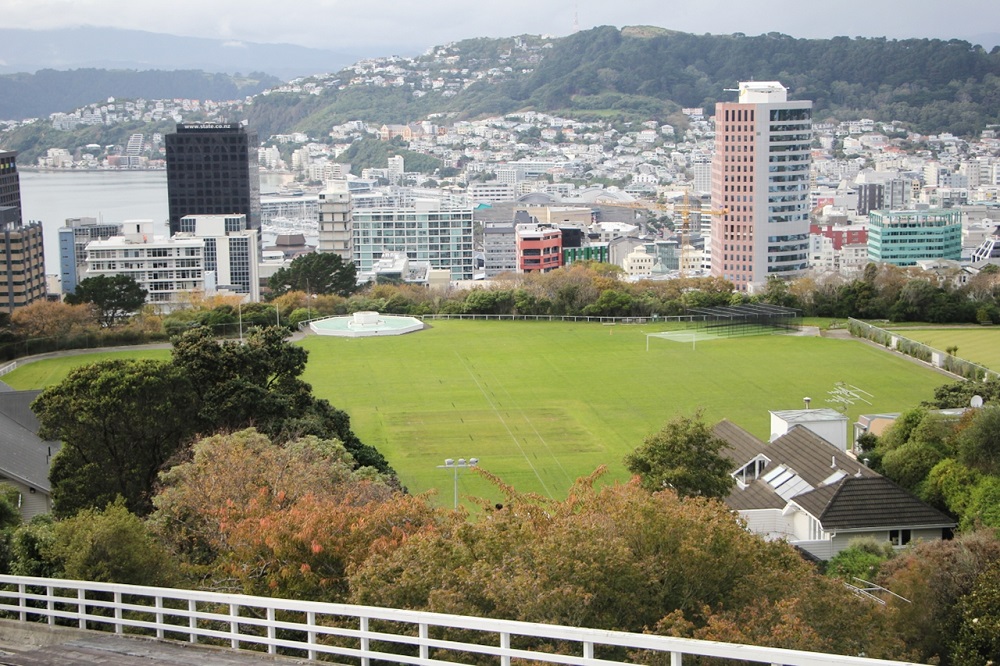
x=454 y=465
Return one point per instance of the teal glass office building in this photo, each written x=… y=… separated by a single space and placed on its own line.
x=904 y=237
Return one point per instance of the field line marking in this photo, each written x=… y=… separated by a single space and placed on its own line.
x=506 y=427
x=539 y=436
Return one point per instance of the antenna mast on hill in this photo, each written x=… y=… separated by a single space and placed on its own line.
x=576 y=18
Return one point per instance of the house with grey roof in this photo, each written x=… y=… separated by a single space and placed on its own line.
x=24 y=456
x=816 y=496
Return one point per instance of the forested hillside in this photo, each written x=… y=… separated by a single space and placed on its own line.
x=636 y=73
x=932 y=85
x=50 y=91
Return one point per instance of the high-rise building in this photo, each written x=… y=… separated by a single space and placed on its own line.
x=335 y=220
x=395 y=170
x=231 y=252
x=169 y=269
x=73 y=241
x=427 y=231
x=22 y=262
x=539 y=247
x=212 y=170
x=760 y=176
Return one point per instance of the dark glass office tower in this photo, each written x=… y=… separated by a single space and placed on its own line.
x=212 y=170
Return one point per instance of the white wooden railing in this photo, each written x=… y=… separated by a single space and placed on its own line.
x=364 y=633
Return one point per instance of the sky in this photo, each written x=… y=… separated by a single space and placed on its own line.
x=411 y=26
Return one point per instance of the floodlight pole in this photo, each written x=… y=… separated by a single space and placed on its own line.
x=454 y=465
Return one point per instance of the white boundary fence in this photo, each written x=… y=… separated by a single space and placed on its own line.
x=10 y=367
x=895 y=341
x=359 y=633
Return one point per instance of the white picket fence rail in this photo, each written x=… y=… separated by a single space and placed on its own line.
x=360 y=633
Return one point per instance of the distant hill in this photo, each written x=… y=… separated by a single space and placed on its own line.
x=112 y=48
x=49 y=91
x=931 y=84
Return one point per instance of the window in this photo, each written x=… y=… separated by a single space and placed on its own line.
x=899 y=537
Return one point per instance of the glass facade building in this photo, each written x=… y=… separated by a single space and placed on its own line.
x=426 y=232
x=903 y=237
x=212 y=169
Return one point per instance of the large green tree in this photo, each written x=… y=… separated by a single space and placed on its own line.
x=979 y=443
x=119 y=422
x=115 y=296
x=239 y=384
x=684 y=456
x=316 y=273
x=257 y=383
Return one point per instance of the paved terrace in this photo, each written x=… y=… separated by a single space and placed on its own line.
x=33 y=644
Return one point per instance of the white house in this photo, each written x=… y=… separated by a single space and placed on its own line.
x=816 y=496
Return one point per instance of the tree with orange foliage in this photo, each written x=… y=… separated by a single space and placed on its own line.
x=618 y=557
x=43 y=319
x=282 y=520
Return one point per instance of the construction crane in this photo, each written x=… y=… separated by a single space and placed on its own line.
x=685 y=212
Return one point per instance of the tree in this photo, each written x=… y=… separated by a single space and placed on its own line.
x=862 y=558
x=933 y=577
x=257 y=384
x=979 y=443
x=241 y=384
x=234 y=468
x=44 y=319
x=978 y=640
x=684 y=456
x=119 y=422
x=616 y=558
x=316 y=273
x=115 y=296
x=112 y=546
x=287 y=520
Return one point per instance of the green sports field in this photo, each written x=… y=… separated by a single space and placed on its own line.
x=980 y=344
x=541 y=404
x=40 y=374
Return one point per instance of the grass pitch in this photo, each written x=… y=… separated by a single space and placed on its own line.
x=542 y=403
x=980 y=344
x=39 y=374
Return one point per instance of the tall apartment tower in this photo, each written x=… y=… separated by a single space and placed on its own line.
x=395 y=170
x=335 y=234
x=760 y=175
x=212 y=170
x=22 y=262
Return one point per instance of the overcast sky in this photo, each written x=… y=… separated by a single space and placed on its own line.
x=412 y=26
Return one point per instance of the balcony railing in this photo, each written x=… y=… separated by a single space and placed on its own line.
x=361 y=633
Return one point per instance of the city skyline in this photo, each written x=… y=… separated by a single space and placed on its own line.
x=413 y=27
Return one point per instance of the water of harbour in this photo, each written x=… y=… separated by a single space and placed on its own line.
x=109 y=196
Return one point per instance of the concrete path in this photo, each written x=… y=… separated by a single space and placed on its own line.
x=23 y=645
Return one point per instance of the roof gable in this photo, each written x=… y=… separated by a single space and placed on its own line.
x=23 y=455
x=872 y=502
x=812 y=457
x=741 y=446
